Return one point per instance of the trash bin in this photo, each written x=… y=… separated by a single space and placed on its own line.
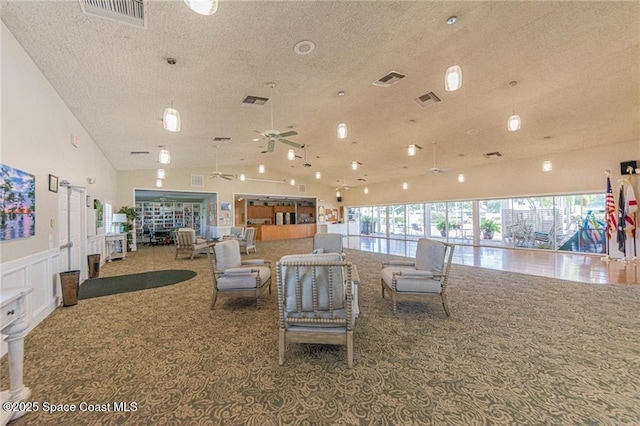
x=94 y=265
x=70 y=283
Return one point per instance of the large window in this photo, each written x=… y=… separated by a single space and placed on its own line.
x=569 y=222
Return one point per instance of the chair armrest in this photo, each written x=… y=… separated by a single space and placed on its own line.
x=416 y=274
x=399 y=263
x=257 y=262
x=239 y=271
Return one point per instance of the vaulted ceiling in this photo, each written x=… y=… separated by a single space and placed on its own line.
x=576 y=64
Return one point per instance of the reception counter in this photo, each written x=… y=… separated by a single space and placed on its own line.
x=284 y=232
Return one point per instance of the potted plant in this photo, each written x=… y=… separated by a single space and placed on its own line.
x=366 y=223
x=489 y=228
x=131 y=214
x=442 y=227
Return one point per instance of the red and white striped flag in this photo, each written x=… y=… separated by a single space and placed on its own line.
x=610 y=211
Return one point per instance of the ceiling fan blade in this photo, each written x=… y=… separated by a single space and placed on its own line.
x=272 y=145
x=287 y=134
x=288 y=142
x=225 y=177
x=258 y=131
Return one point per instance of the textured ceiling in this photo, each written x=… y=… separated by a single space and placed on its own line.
x=577 y=65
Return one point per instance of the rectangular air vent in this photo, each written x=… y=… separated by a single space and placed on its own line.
x=139 y=153
x=197 y=180
x=493 y=154
x=130 y=12
x=302 y=188
x=389 y=80
x=220 y=139
x=254 y=101
x=427 y=100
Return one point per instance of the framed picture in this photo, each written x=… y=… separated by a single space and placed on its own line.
x=18 y=195
x=225 y=206
x=53 y=183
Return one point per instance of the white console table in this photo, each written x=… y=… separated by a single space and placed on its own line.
x=116 y=246
x=14 y=324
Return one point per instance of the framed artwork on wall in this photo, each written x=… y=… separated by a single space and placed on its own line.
x=53 y=183
x=18 y=198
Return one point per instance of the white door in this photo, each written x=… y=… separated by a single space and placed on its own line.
x=72 y=226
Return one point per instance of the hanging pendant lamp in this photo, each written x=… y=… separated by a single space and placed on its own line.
x=453 y=78
x=164 y=157
x=161 y=174
x=514 y=123
x=171 y=119
x=203 y=7
x=291 y=154
x=261 y=168
x=411 y=151
x=342 y=131
x=158 y=183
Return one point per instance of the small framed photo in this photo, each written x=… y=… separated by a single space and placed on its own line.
x=53 y=183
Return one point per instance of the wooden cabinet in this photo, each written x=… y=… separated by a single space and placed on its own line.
x=259 y=212
x=284 y=209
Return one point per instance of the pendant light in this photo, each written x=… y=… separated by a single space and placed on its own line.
x=164 y=157
x=547 y=166
x=366 y=190
x=453 y=78
x=292 y=182
x=514 y=122
x=461 y=178
x=242 y=177
x=411 y=150
x=291 y=154
x=354 y=165
x=161 y=174
x=261 y=168
x=171 y=119
x=318 y=175
x=203 y=7
x=405 y=185
x=158 y=183
x=342 y=127
x=338 y=194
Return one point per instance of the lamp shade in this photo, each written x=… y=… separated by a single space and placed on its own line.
x=514 y=123
x=171 y=120
x=354 y=165
x=243 y=177
x=453 y=78
x=318 y=175
x=291 y=154
x=261 y=168
x=342 y=131
x=161 y=174
x=164 y=157
x=411 y=151
x=203 y=7
x=119 y=218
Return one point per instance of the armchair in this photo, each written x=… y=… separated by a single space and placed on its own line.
x=328 y=243
x=317 y=301
x=424 y=277
x=187 y=242
x=233 y=277
x=249 y=240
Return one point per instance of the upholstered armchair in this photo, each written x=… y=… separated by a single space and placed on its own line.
x=426 y=276
x=249 y=240
x=328 y=243
x=233 y=277
x=317 y=301
x=186 y=242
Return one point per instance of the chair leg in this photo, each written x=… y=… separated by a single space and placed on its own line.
x=445 y=305
x=350 y=349
x=281 y=346
x=214 y=298
x=382 y=286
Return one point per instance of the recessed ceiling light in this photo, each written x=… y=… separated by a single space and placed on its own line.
x=452 y=20
x=304 y=47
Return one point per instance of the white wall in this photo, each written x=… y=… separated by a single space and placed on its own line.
x=35 y=137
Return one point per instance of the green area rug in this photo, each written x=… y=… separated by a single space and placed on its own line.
x=96 y=287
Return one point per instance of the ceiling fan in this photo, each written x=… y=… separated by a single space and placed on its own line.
x=436 y=169
x=218 y=173
x=273 y=135
x=306 y=163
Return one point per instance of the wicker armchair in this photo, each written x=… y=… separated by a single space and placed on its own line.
x=187 y=242
x=317 y=301
x=233 y=277
x=427 y=276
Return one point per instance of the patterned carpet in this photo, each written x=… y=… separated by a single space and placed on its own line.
x=518 y=349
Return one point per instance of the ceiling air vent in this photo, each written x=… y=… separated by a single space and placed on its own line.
x=197 y=180
x=302 y=188
x=254 y=101
x=389 y=80
x=130 y=12
x=139 y=153
x=492 y=154
x=427 y=100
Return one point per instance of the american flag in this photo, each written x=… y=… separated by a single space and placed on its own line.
x=610 y=213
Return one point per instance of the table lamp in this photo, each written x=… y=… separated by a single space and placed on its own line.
x=119 y=219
